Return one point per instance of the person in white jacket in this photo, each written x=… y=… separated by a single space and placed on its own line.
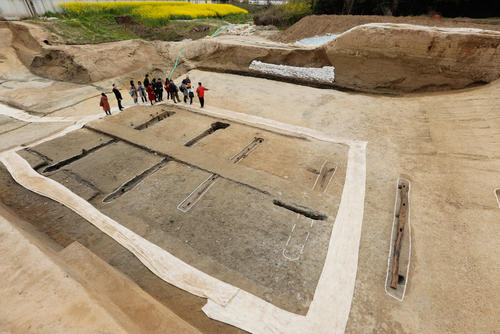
x=190 y=93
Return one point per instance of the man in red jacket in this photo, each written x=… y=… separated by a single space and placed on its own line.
x=200 y=91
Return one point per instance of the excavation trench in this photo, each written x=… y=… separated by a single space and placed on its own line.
x=202 y=189
x=74 y=158
x=213 y=127
x=247 y=150
x=302 y=210
x=155 y=120
x=132 y=183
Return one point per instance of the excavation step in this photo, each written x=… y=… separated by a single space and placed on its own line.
x=155 y=120
x=65 y=162
x=400 y=244
x=202 y=189
x=325 y=176
x=131 y=184
x=213 y=127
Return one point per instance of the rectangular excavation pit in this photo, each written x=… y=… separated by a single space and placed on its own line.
x=235 y=234
x=155 y=120
x=213 y=127
x=398 y=263
x=132 y=183
x=74 y=158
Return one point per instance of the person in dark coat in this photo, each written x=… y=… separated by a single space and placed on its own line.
x=159 y=89
x=105 y=104
x=167 y=88
x=174 y=91
x=118 y=96
x=146 y=81
x=186 y=80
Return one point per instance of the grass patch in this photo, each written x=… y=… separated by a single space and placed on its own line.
x=101 y=28
x=283 y=16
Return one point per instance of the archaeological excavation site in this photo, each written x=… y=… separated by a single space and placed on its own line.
x=343 y=176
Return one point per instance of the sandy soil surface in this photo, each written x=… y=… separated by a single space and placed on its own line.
x=318 y=25
x=446 y=144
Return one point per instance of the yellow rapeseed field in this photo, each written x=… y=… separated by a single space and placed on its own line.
x=152 y=11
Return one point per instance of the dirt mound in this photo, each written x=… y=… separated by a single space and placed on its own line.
x=224 y=56
x=407 y=58
x=60 y=65
x=317 y=25
x=83 y=63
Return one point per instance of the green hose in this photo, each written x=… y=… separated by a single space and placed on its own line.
x=176 y=62
x=219 y=30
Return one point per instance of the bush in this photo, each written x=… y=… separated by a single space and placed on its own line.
x=284 y=15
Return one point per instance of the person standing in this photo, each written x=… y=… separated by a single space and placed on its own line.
x=151 y=94
x=105 y=104
x=200 y=91
x=186 y=80
x=190 y=92
x=167 y=88
x=133 y=91
x=118 y=96
x=142 y=91
x=159 y=89
x=183 y=89
x=146 y=81
x=174 y=91
x=153 y=86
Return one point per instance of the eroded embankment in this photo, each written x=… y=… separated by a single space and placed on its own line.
x=409 y=58
x=380 y=58
x=93 y=63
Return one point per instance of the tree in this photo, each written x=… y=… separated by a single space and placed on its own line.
x=328 y=6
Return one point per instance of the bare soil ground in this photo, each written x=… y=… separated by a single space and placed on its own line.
x=317 y=25
x=446 y=144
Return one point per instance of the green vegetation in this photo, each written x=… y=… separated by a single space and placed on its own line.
x=284 y=15
x=155 y=13
x=100 y=28
x=446 y=8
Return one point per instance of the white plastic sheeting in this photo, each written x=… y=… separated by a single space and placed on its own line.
x=23 y=8
x=324 y=75
x=317 y=40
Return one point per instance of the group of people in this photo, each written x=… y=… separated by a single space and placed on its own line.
x=152 y=91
